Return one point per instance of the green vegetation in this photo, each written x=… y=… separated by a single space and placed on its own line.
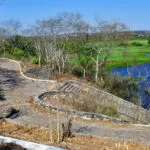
x=35 y=60
x=126 y=54
x=109 y=110
x=127 y=88
x=129 y=55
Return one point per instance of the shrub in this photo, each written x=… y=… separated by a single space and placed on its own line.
x=136 y=44
x=77 y=71
x=126 y=88
x=35 y=60
x=18 y=52
x=124 y=44
x=92 y=106
x=109 y=110
x=148 y=41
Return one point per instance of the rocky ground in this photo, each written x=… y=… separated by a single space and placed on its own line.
x=17 y=92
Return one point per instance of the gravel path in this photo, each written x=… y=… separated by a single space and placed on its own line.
x=17 y=91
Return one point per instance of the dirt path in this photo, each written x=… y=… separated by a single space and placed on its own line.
x=17 y=91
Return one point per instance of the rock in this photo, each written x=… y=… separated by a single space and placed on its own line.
x=9 y=112
x=4 y=112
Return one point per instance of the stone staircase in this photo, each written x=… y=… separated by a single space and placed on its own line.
x=81 y=90
x=75 y=88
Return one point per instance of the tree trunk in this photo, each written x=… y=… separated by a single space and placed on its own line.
x=96 y=73
x=59 y=68
x=84 y=73
x=4 y=52
x=63 y=65
x=39 y=61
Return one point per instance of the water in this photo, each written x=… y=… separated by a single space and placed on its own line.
x=148 y=54
x=142 y=71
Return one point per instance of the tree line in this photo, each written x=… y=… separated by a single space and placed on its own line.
x=64 y=40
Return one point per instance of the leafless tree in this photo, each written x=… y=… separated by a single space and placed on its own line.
x=112 y=34
x=73 y=25
x=10 y=28
x=51 y=31
x=3 y=35
x=13 y=27
x=38 y=48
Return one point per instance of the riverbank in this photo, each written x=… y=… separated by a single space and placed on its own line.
x=131 y=53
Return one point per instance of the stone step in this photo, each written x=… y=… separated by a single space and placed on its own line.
x=71 y=88
x=68 y=88
x=63 y=87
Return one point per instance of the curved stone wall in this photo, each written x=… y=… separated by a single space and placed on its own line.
x=82 y=114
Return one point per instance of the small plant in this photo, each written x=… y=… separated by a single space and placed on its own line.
x=124 y=44
x=137 y=44
x=35 y=60
x=148 y=42
x=18 y=53
x=109 y=110
x=67 y=129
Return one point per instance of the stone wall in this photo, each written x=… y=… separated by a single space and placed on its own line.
x=80 y=90
x=103 y=98
x=82 y=114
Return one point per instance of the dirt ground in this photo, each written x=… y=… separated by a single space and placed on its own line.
x=75 y=143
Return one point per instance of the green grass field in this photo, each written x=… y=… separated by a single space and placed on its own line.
x=130 y=55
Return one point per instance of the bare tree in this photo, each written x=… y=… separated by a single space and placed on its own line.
x=83 y=30
x=10 y=29
x=112 y=34
x=38 y=48
x=72 y=24
x=13 y=27
x=3 y=35
x=53 y=32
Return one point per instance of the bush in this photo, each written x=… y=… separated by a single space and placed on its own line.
x=148 y=42
x=77 y=71
x=109 y=110
x=92 y=106
x=136 y=44
x=18 y=52
x=35 y=60
x=124 y=44
x=126 y=88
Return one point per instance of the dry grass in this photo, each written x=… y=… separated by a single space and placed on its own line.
x=75 y=143
x=91 y=143
x=26 y=133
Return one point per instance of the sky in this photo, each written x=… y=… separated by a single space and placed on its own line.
x=134 y=13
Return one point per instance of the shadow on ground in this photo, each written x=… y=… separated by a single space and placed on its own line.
x=9 y=78
x=2 y=97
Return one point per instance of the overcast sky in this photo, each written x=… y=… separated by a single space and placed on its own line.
x=135 y=13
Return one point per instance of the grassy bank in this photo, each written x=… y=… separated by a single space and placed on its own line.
x=130 y=54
